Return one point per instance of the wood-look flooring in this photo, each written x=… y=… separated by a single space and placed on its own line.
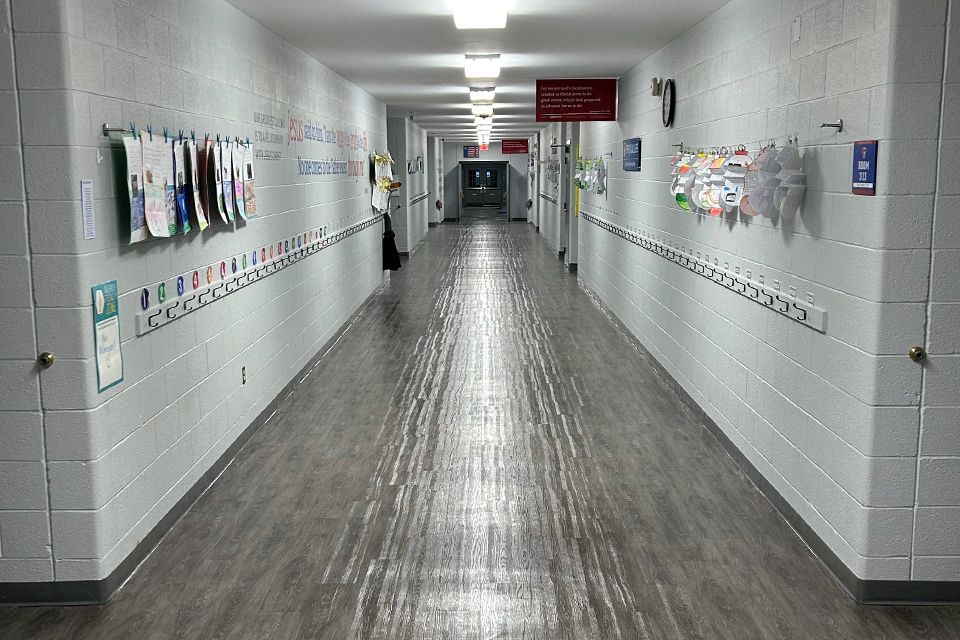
x=482 y=455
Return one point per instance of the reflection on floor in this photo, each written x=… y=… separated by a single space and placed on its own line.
x=482 y=455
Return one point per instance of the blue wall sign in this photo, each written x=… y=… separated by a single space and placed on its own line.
x=471 y=151
x=865 y=167
x=631 y=154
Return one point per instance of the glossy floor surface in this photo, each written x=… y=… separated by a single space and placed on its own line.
x=482 y=455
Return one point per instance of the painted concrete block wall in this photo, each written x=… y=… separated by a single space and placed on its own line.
x=936 y=545
x=550 y=204
x=832 y=420
x=25 y=552
x=435 y=175
x=408 y=141
x=118 y=461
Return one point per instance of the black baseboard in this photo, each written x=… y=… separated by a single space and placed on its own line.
x=875 y=592
x=78 y=592
x=518 y=219
x=572 y=267
x=433 y=224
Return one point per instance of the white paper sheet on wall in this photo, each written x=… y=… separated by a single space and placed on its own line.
x=155 y=160
x=138 y=223
x=86 y=210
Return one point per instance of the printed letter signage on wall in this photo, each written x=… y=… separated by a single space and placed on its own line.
x=471 y=151
x=631 y=154
x=512 y=146
x=586 y=100
x=865 y=167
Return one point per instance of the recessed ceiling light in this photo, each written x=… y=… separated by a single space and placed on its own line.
x=480 y=14
x=482 y=110
x=482 y=66
x=482 y=95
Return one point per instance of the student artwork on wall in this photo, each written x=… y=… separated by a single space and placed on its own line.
x=226 y=177
x=215 y=179
x=154 y=186
x=134 y=154
x=236 y=164
x=194 y=201
x=180 y=186
x=249 y=182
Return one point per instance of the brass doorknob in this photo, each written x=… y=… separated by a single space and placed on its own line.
x=917 y=354
x=46 y=359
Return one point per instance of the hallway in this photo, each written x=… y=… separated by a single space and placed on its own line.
x=482 y=454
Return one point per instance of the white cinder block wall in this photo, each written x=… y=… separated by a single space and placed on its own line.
x=25 y=552
x=550 y=196
x=408 y=141
x=832 y=420
x=936 y=543
x=435 y=178
x=118 y=461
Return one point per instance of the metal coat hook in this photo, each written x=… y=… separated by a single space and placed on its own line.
x=838 y=125
x=150 y=131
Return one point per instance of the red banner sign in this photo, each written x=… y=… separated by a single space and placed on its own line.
x=519 y=145
x=588 y=100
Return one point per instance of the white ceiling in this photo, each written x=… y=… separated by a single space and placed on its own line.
x=409 y=54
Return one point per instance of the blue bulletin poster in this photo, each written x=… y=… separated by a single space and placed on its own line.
x=631 y=154
x=471 y=151
x=106 y=335
x=865 y=167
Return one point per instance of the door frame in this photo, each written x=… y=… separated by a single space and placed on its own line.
x=505 y=189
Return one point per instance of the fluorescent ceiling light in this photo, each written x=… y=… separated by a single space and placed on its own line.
x=483 y=110
x=479 y=121
x=485 y=66
x=480 y=14
x=482 y=95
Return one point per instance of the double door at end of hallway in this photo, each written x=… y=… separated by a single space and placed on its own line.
x=484 y=184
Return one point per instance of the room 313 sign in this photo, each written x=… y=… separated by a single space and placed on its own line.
x=865 y=168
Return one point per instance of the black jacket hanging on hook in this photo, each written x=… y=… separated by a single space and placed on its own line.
x=391 y=257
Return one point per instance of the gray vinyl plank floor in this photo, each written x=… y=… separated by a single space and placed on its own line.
x=482 y=455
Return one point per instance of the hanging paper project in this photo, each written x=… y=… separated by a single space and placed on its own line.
x=383 y=164
x=215 y=180
x=156 y=157
x=194 y=200
x=249 y=183
x=180 y=186
x=226 y=177
x=138 y=224
x=236 y=161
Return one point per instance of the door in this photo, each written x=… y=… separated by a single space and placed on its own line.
x=484 y=184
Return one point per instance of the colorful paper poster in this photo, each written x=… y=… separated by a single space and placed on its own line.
x=215 y=179
x=138 y=222
x=226 y=177
x=180 y=186
x=156 y=156
x=106 y=335
x=249 y=182
x=236 y=162
x=170 y=192
x=195 y=199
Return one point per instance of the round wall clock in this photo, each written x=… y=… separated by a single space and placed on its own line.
x=669 y=89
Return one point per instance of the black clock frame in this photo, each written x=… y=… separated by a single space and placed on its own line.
x=669 y=87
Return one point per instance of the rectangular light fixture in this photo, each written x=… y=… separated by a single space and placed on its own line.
x=482 y=121
x=480 y=14
x=482 y=66
x=483 y=110
x=484 y=96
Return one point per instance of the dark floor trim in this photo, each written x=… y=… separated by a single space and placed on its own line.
x=572 y=267
x=102 y=591
x=433 y=224
x=518 y=219
x=874 y=592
